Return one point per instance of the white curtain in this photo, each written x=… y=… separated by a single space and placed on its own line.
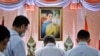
x=62 y=3
x=39 y=3
x=12 y=6
x=30 y=2
x=91 y=6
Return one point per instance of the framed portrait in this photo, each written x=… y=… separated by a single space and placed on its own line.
x=50 y=22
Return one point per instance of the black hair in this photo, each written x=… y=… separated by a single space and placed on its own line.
x=49 y=39
x=83 y=35
x=4 y=33
x=20 y=20
x=49 y=12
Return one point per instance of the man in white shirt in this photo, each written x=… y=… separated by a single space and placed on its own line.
x=16 y=46
x=83 y=49
x=50 y=49
x=4 y=38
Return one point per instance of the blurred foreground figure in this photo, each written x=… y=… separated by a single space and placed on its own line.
x=83 y=49
x=16 y=46
x=4 y=38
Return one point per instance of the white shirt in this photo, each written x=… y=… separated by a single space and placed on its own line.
x=15 y=45
x=83 y=50
x=1 y=54
x=49 y=50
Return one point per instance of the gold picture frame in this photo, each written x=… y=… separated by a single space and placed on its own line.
x=50 y=22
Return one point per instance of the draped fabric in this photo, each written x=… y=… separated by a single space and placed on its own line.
x=40 y=3
x=13 y=5
x=91 y=6
x=75 y=1
x=30 y=5
x=62 y=3
x=30 y=2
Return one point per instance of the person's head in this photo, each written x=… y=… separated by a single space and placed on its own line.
x=83 y=36
x=20 y=24
x=49 y=39
x=49 y=15
x=4 y=37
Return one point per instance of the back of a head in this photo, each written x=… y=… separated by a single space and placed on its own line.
x=4 y=33
x=49 y=39
x=83 y=35
x=20 y=20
